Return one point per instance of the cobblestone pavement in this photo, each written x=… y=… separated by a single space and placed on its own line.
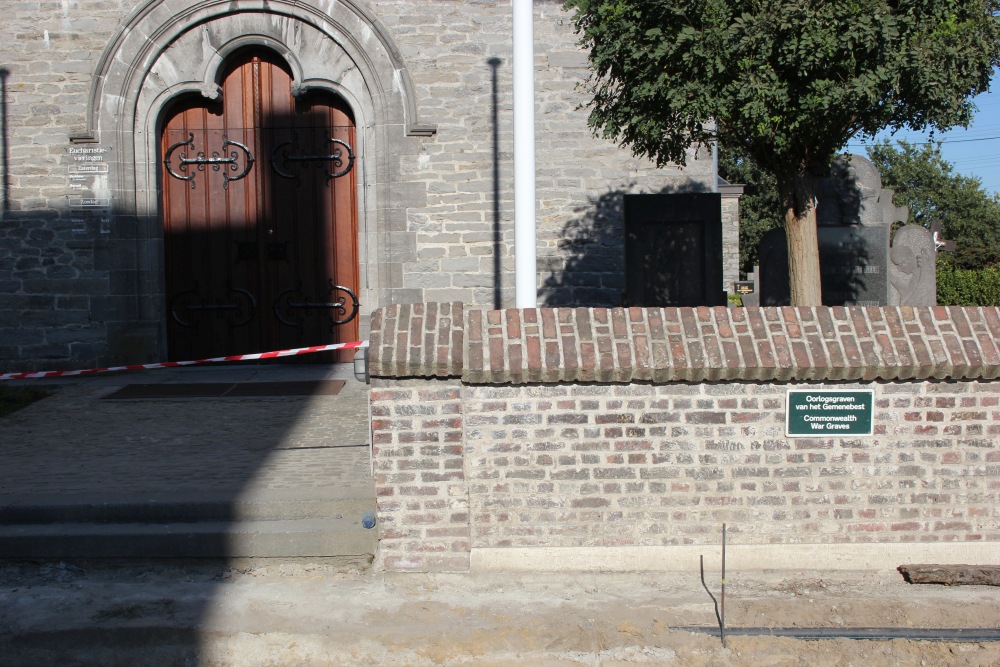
x=78 y=443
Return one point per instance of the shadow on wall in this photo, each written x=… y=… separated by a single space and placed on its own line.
x=494 y=64
x=259 y=255
x=4 y=151
x=588 y=269
x=259 y=218
x=259 y=240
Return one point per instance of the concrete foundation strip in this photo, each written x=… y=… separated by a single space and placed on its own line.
x=926 y=634
x=173 y=364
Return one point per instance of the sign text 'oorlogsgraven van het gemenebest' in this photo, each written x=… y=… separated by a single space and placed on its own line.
x=823 y=413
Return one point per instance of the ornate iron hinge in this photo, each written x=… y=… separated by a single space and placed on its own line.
x=225 y=163
x=288 y=159
x=289 y=311
x=187 y=307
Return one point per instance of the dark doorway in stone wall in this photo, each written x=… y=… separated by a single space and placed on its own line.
x=260 y=216
x=673 y=249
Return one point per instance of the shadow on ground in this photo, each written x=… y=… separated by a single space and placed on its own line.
x=130 y=490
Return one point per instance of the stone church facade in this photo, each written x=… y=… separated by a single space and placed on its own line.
x=132 y=126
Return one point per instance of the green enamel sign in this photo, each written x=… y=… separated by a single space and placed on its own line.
x=824 y=413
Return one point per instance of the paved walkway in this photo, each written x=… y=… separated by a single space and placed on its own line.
x=79 y=444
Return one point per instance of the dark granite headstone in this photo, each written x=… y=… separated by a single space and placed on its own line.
x=854 y=215
x=853 y=262
x=673 y=250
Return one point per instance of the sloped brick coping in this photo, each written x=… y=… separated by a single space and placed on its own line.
x=661 y=345
x=620 y=439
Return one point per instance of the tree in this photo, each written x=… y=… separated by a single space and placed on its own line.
x=785 y=82
x=925 y=182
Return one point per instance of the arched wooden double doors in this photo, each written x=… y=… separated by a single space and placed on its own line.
x=260 y=217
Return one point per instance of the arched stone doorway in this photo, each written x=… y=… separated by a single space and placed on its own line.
x=259 y=215
x=170 y=50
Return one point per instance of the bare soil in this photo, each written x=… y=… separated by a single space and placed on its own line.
x=307 y=614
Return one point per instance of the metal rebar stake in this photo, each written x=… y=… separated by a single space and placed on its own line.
x=722 y=618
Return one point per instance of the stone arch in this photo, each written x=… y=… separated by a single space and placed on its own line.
x=155 y=25
x=169 y=48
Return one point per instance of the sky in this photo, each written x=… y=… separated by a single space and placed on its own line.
x=972 y=152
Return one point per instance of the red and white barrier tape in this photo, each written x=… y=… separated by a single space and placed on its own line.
x=173 y=364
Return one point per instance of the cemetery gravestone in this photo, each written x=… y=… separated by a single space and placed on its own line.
x=752 y=299
x=854 y=216
x=853 y=262
x=913 y=267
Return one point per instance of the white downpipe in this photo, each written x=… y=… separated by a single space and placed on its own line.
x=525 y=269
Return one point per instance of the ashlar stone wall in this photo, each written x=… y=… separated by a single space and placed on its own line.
x=460 y=58
x=54 y=281
x=432 y=87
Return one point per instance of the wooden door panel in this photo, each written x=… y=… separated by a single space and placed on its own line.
x=256 y=230
x=212 y=295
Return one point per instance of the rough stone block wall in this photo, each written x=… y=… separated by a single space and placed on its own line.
x=53 y=291
x=595 y=428
x=730 y=241
x=79 y=295
x=460 y=59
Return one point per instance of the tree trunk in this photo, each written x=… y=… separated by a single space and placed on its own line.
x=803 y=243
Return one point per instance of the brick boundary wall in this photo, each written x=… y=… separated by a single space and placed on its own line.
x=622 y=439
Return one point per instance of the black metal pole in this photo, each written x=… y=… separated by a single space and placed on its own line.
x=4 y=73
x=494 y=64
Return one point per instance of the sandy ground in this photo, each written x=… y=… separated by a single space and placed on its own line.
x=318 y=614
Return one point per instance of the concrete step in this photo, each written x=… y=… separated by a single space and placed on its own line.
x=318 y=523
x=279 y=538
x=152 y=509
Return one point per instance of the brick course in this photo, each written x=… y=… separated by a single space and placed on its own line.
x=421 y=495
x=685 y=344
x=651 y=427
x=641 y=465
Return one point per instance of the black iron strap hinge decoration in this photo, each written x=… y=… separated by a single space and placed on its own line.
x=290 y=312
x=188 y=307
x=284 y=159
x=227 y=162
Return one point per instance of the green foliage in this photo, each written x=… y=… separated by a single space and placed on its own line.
x=925 y=182
x=760 y=205
x=968 y=287
x=786 y=82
